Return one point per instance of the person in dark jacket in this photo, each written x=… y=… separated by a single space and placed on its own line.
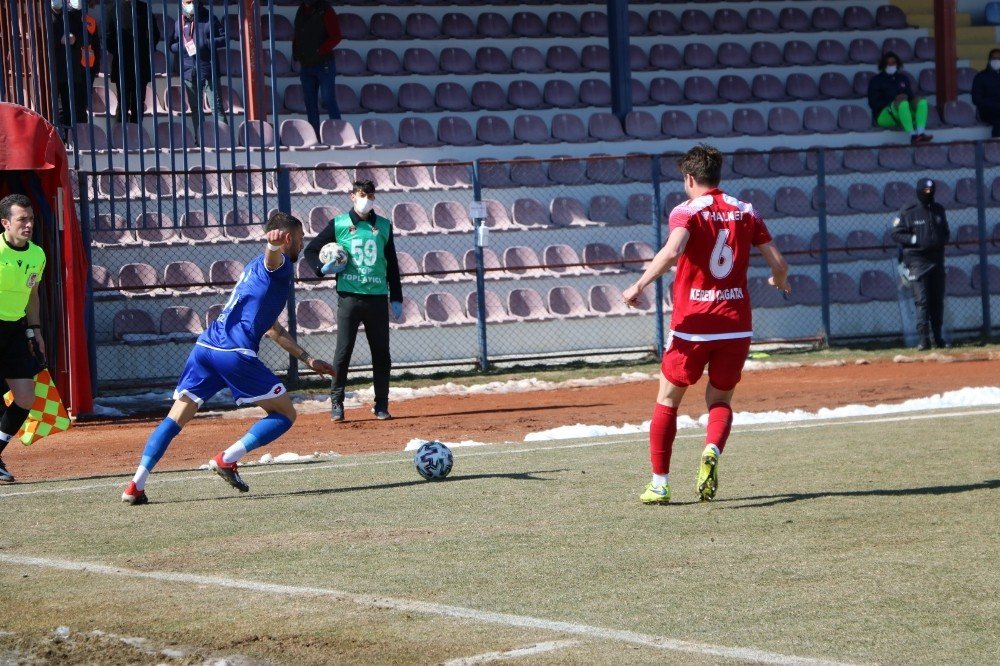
x=364 y=284
x=921 y=231
x=892 y=102
x=986 y=93
x=317 y=33
x=198 y=35
x=131 y=36
x=72 y=94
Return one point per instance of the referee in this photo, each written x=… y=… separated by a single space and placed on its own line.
x=21 y=266
x=364 y=284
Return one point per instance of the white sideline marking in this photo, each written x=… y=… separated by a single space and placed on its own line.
x=516 y=653
x=205 y=475
x=407 y=605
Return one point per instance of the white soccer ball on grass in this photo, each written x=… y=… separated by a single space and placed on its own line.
x=433 y=460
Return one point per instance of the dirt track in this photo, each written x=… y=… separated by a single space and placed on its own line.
x=113 y=447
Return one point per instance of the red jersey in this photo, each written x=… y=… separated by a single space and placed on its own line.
x=710 y=289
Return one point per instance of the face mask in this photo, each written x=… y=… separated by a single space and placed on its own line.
x=188 y=10
x=925 y=197
x=75 y=4
x=891 y=69
x=995 y=65
x=57 y=4
x=363 y=205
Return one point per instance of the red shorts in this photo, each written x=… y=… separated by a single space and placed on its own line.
x=684 y=361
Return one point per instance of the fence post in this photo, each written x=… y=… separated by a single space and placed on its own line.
x=283 y=181
x=824 y=260
x=481 y=240
x=984 y=286
x=657 y=244
x=84 y=208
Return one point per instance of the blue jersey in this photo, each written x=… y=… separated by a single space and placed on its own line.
x=257 y=299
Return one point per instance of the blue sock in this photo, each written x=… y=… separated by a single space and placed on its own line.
x=158 y=442
x=265 y=431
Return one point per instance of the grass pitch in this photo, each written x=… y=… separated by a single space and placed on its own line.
x=860 y=541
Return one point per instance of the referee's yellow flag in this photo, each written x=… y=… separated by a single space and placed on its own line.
x=48 y=415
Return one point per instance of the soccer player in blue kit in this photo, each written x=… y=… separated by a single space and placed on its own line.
x=225 y=355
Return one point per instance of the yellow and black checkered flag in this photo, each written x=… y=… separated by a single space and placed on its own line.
x=48 y=415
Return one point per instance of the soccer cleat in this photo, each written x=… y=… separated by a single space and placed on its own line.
x=337 y=412
x=5 y=476
x=708 y=475
x=228 y=471
x=656 y=494
x=133 y=496
x=381 y=411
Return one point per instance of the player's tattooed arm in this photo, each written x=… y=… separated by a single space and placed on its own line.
x=284 y=340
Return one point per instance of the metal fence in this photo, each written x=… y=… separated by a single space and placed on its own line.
x=527 y=258
x=501 y=259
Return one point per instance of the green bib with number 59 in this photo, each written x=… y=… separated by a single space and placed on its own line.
x=365 y=244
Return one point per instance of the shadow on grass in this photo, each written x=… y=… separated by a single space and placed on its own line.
x=499 y=410
x=522 y=476
x=773 y=500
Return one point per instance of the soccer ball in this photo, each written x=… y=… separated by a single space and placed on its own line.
x=433 y=460
x=333 y=252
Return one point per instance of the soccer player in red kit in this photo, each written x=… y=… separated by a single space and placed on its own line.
x=711 y=236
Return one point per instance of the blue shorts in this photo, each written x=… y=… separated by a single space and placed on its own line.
x=208 y=371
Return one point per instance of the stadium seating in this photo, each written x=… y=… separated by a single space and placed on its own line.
x=566 y=302
x=525 y=304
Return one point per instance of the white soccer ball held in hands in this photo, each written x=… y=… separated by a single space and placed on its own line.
x=333 y=257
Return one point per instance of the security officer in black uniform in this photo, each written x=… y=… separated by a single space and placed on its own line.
x=921 y=230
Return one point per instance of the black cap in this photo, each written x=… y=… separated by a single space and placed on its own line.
x=925 y=184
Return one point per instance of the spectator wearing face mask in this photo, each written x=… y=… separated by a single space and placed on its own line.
x=921 y=231
x=892 y=102
x=317 y=33
x=986 y=93
x=365 y=283
x=198 y=35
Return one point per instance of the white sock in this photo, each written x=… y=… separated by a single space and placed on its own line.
x=234 y=453
x=140 y=477
x=714 y=448
x=4 y=437
x=660 y=479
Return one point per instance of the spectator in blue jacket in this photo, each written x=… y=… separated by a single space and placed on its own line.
x=197 y=37
x=892 y=102
x=986 y=92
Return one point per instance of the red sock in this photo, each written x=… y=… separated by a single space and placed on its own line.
x=662 y=431
x=720 y=421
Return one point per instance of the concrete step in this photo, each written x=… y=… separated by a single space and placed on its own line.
x=915 y=6
x=927 y=20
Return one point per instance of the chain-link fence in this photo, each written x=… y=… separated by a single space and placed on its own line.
x=528 y=258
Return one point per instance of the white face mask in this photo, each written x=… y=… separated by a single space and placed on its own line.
x=57 y=4
x=188 y=9
x=363 y=205
x=75 y=4
x=891 y=69
x=995 y=65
